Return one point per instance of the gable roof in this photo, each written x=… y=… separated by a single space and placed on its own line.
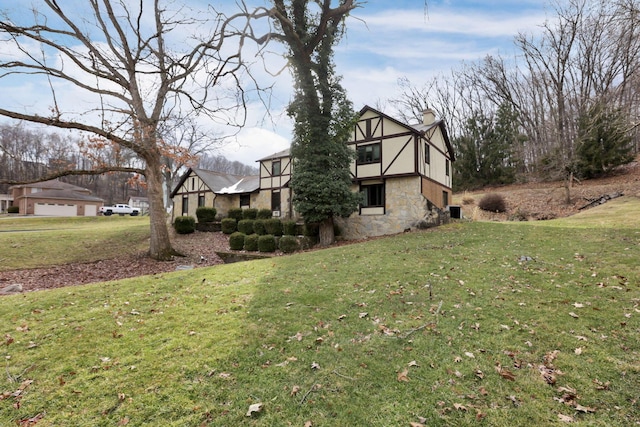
x=63 y=195
x=420 y=128
x=53 y=184
x=222 y=183
x=278 y=155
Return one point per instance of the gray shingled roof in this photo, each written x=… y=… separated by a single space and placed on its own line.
x=222 y=183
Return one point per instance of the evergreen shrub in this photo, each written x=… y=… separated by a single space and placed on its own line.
x=289 y=228
x=228 y=225
x=288 y=244
x=249 y=213
x=205 y=214
x=265 y=214
x=245 y=226
x=267 y=243
x=236 y=241
x=184 y=224
x=251 y=242
x=13 y=209
x=235 y=213
x=273 y=226
x=259 y=228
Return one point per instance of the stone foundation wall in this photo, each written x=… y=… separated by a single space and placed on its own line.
x=406 y=208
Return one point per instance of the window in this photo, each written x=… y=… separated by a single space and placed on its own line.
x=245 y=200
x=369 y=153
x=275 y=201
x=185 y=205
x=373 y=195
x=200 y=200
x=445 y=198
x=446 y=166
x=193 y=183
x=427 y=153
x=275 y=168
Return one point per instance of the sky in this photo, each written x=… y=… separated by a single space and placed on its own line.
x=386 y=40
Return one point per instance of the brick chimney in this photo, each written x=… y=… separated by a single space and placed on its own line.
x=428 y=117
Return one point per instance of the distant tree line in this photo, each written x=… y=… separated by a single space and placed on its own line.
x=27 y=154
x=565 y=106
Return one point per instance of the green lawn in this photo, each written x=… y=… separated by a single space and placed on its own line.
x=496 y=324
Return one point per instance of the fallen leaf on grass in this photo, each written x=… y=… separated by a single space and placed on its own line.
x=403 y=376
x=578 y=351
x=308 y=424
x=470 y=355
x=295 y=390
x=585 y=409
x=565 y=418
x=412 y=424
x=575 y=316
x=459 y=407
x=413 y=363
x=256 y=408
x=505 y=373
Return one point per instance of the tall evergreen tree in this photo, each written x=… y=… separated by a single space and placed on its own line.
x=324 y=117
x=604 y=141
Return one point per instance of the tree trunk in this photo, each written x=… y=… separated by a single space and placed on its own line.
x=326 y=233
x=160 y=243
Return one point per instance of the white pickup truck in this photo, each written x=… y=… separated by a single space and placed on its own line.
x=119 y=209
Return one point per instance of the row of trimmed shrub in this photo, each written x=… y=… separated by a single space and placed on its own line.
x=263 y=243
x=261 y=227
x=207 y=214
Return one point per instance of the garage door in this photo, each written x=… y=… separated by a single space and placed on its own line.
x=55 y=209
x=90 y=210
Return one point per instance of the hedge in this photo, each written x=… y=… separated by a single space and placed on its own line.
x=265 y=214
x=288 y=244
x=236 y=241
x=289 y=228
x=245 y=226
x=249 y=213
x=205 y=214
x=235 y=213
x=228 y=225
x=184 y=224
x=259 y=228
x=267 y=243
x=273 y=226
x=251 y=242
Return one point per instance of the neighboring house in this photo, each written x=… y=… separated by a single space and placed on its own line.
x=199 y=187
x=403 y=171
x=54 y=198
x=5 y=201
x=141 y=203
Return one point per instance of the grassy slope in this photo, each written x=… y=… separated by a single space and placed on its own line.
x=52 y=241
x=405 y=329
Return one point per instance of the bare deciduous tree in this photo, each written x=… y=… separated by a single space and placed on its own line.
x=132 y=65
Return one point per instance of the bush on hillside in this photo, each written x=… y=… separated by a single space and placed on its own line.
x=289 y=228
x=267 y=243
x=228 y=225
x=184 y=224
x=265 y=214
x=288 y=244
x=251 y=242
x=245 y=226
x=249 y=213
x=493 y=202
x=259 y=228
x=235 y=213
x=273 y=226
x=236 y=241
x=205 y=214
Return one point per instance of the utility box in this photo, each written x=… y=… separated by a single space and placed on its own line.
x=455 y=211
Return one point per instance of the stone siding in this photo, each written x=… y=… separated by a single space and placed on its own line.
x=406 y=208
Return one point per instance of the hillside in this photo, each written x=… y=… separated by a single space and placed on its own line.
x=546 y=200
